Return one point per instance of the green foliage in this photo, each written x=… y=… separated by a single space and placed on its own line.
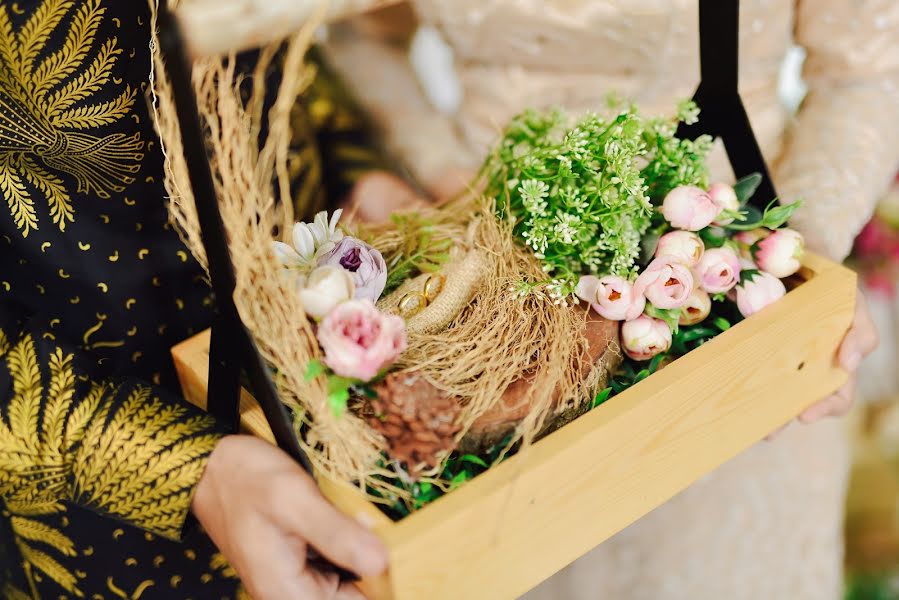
x=582 y=196
x=458 y=469
x=422 y=251
x=871 y=586
x=746 y=187
x=338 y=387
x=774 y=216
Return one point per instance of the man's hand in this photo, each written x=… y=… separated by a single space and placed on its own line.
x=263 y=511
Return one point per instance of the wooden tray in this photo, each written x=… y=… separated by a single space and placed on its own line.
x=510 y=528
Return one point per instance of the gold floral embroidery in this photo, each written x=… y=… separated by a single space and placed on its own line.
x=45 y=108
x=137 y=459
x=10 y=592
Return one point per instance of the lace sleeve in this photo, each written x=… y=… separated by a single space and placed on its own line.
x=844 y=148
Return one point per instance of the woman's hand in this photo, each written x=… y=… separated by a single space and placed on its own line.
x=263 y=511
x=378 y=194
x=860 y=341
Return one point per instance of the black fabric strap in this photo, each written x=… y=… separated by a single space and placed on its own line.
x=722 y=112
x=231 y=348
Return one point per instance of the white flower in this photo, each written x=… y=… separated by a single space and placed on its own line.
x=326 y=287
x=567 y=227
x=309 y=240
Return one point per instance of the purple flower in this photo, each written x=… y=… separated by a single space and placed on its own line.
x=364 y=263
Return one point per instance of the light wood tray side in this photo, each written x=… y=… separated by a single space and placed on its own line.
x=509 y=529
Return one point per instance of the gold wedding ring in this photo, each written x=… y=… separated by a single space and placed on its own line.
x=414 y=302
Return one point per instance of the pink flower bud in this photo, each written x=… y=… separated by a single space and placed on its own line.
x=688 y=207
x=696 y=309
x=745 y=240
x=755 y=294
x=685 y=246
x=780 y=253
x=644 y=337
x=612 y=297
x=666 y=282
x=726 y=199
x=718 y=270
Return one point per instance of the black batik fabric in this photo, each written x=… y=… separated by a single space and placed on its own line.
x=99 y=455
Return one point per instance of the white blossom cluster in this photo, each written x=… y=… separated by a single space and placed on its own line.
x=582 y=195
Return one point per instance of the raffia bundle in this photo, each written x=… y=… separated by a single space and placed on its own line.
x=473 y=355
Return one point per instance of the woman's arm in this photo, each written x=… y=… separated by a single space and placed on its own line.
x=844 y=148
x=124 y=448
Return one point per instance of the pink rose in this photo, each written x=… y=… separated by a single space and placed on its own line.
x=780 y=253
x=755 y=294
x=359 y=340
x=644 y=337
x=685 y=246
x=688 y=207
x=696 y=309
x=725 y=198
x=666 y=282
x=718 y=271
x=612 y=297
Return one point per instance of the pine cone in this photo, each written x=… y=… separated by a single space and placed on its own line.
x=418 y=420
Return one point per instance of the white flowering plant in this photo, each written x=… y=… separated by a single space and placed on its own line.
x=582 y=195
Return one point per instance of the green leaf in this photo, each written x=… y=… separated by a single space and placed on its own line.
x=747 y=186
x=337 y=401
x=713 y=237
x=671 y=316
x=313 y=369
x=751 y=214
x=648 y=244
x=656 y=361
x=474 y=459
x=460 y=478
x=776 y=216
x=748 y=275
x=601 y=397
x=339 y=393
x=721 y=323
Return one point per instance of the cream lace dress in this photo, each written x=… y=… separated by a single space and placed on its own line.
x=768 y=524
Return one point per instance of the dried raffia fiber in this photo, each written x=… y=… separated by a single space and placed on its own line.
x=498 y=336
x=346 y=448
x=487 y=346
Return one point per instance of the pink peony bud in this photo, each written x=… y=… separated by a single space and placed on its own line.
x=685 y=246
x=780 y=253
x=688 y=207
x=359 y=340
x=644 y=337
x=666 y=282
x=726 y=199
x=757 y=293
x=745 y=240
x=697 y=308
x=718 y=271
x=611 y=296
